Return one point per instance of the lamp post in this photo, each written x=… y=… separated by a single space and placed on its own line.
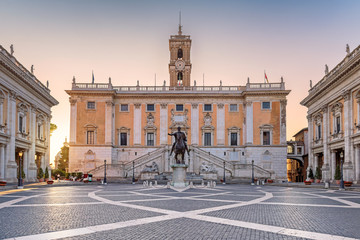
x=133 y=172
x=342 y=179
x=224 y=174
x=105 y=172
x=252 y=172
x=20 y=181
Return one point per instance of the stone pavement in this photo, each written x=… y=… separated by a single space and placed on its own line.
x=119 y=211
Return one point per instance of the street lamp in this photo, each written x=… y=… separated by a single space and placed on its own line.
x=224 y=174
x=105 y=172
x=20 y=181
x=342 y=179
x=133 y=172
x=252 y=173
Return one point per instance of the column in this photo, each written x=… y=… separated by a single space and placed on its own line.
x=11 y=167
x=357 y=163
x=326 y=166
x=108 y=122
x=137 y=124
x=220 y=124
x=32 y=166
x=333 y=164
x=73 y=113
x=164 y=128
x=194 y=124
x=249 y=123
x=283 y=121
x=348 y=166
x=310 y=140
x=2 y=162
x=26 y=164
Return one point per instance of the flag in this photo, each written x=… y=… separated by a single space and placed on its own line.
x=266 y=79
x=93 y=79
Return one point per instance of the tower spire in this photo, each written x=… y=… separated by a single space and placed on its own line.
x=180 y=30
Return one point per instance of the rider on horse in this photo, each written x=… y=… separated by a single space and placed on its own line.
x=179 y=136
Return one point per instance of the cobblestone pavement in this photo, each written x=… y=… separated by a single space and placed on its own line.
x=118 y=211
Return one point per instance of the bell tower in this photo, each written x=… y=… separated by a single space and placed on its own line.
x=180 y=65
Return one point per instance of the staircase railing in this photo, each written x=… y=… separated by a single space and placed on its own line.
x=214 y=159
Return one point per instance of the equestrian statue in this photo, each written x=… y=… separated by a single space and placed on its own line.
x=179 y=145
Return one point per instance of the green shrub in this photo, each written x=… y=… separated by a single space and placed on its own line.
x=311 y=174
x=318 y=173
x=67 y=175
x=79 y=175
x=73 y=174
x=337 y=175
x=58 y=171
x=46 y=172
x=40 y=173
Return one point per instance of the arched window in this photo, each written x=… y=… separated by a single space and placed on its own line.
x=180 y=76
x=180 y=53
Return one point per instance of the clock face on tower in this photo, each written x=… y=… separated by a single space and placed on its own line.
x=179 y=65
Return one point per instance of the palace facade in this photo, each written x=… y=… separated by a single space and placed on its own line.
x=25 y=116
x=333 y=119
x=226 y=126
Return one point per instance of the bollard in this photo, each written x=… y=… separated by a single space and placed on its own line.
x=327 y=185
x=168 y=185
x=191 y=185
x=150 y=184
x=202 y=183
x=155 y=183
x=208 y=184
x=214 y=184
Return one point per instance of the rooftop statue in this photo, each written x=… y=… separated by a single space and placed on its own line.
x=347 y=49
x=326 y=69
x=12 y=49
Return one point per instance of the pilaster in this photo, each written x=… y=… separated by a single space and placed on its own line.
x=73 y=113
x=348 y=166
x=194 y=124
x=137 y=124
x=164 y=128
x=249 y=123
x=283 y=104
x=326 y=167
x=220 y=124
x=109 y=122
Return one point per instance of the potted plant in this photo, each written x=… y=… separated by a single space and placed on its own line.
x=3 y=182
x=348 y=183
x=337 y=175
x=270 y=180
x=311 y=175
x=41 y=175
x=307 y=182
x=318 y=175
x=48 y=180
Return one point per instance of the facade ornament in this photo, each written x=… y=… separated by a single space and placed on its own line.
x=109 y=103
x=346 y=95
x=347 y=49
x=13 y=95
x=194 y=105
x=326 y=69
x=137 y=105
x=164 y=84
x=324 y=109
x=194 y=83
x=248 y=80
x=47 y=84
x=72 y=101
x=309 y=117
x=163 y=105
x=12 y=49
x=34 y=108
x=109 y=80
x=150 y=120
x=32 y=69
x=137 y=83
x=336 y=107
x=220 y=83
x=248 y=103
x=310 y=83
x=73 y=80
x=220 y=105
x=282 y=79
x=207 y=119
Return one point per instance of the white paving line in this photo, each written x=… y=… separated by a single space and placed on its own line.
x=352 y=204
x=270 y=228
x=55 y=204
x=305 y=205
x=175 y=214
x=11 y=202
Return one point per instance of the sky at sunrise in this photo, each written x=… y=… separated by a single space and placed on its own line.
x=128 y=41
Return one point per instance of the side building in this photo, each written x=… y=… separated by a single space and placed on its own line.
x=25 y=116
x=333 y=119
x=226 y=126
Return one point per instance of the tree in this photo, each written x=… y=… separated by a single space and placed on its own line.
x=64 y=158
x=318 y=173
x=53 y=127
x=46 y=172
x=337 y=175
x=311 y=174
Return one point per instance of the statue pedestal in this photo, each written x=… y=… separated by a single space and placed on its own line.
x=179 y=175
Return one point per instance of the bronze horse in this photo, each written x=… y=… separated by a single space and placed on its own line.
x=179 y=146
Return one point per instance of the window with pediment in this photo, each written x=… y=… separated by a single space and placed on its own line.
x=234 y=136
x=124 y=136
x=336 y=110
x=2 y=99
x=266 y=134
x=22 y=110
x=91 y=134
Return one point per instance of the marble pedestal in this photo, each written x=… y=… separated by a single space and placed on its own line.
x=179 y=175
